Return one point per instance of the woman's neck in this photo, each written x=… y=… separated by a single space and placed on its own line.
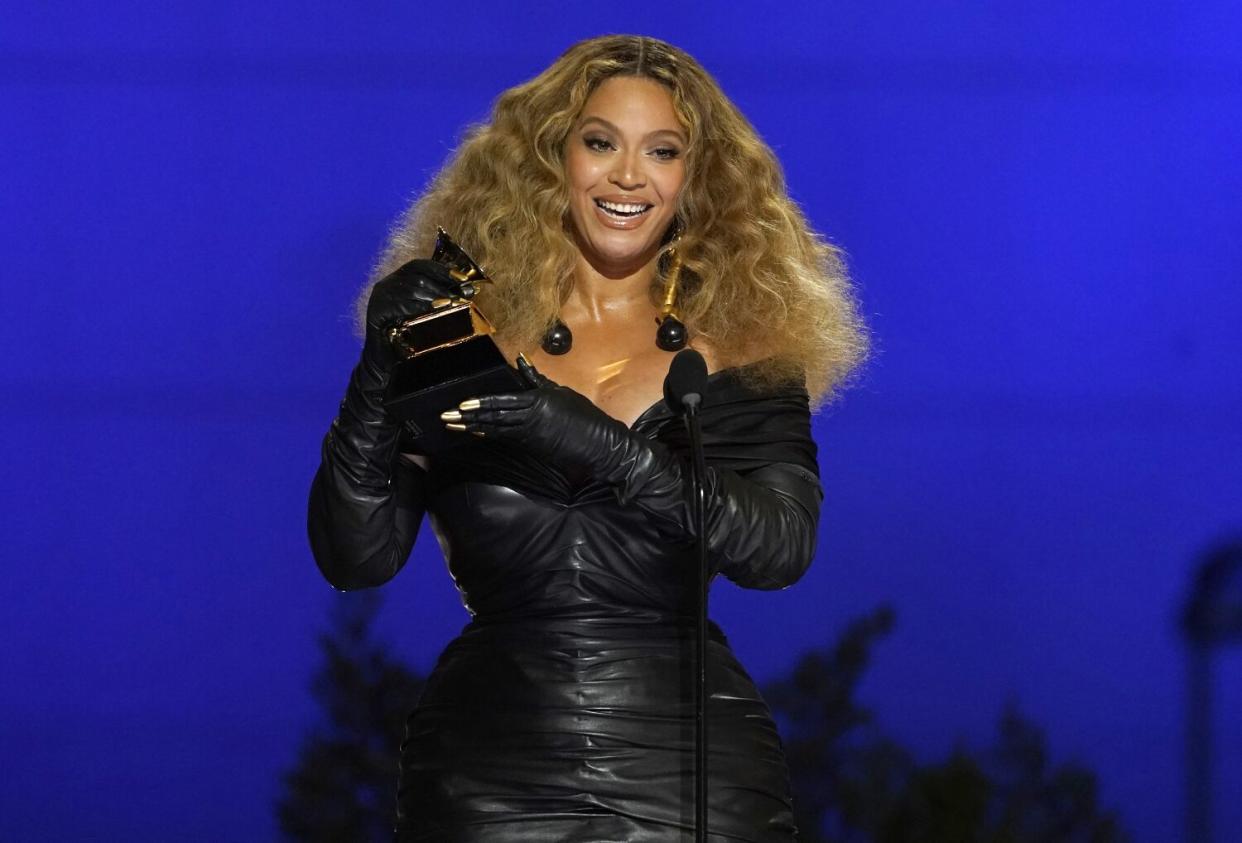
x=597 y=297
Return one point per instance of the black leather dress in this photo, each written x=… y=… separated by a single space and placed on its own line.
x=563 y=711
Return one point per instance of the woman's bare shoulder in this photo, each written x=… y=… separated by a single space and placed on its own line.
x=717 y=360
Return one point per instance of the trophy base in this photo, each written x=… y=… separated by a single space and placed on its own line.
x=424 y=386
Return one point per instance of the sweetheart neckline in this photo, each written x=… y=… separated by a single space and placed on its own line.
x=659 y=404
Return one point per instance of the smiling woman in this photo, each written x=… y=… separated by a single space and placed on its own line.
x=563 y=711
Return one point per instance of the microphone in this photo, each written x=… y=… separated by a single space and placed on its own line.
x=686 y=382
x=684 y=389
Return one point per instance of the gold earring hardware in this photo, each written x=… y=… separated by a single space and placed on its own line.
x=669 y=308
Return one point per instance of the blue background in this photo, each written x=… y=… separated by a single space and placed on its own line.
x=1041 y=204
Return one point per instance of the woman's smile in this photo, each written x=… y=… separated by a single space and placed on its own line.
x=620 y=213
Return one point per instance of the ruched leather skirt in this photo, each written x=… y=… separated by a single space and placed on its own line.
x=583 y=730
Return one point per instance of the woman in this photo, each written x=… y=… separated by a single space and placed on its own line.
x=564 y=711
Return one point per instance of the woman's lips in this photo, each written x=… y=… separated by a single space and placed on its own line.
x=621 y=214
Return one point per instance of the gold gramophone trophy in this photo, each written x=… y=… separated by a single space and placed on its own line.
x=445 y=356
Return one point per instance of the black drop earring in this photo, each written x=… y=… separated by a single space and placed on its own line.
x=559 y=339
x=671 y=335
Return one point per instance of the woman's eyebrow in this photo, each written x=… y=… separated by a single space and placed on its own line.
x=677 y=133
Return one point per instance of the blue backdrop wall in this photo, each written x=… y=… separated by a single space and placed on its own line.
x=1040 y=203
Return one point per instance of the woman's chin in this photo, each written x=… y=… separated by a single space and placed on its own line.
x=620 y=263
x=618 y=256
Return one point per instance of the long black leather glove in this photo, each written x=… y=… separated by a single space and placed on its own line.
x=366 y=503
x=761 y=528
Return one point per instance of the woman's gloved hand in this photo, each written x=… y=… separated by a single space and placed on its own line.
x=406 y=292
x=554 y=421
x=761 y=528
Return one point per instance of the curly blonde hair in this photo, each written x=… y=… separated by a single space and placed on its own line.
x=757 y=285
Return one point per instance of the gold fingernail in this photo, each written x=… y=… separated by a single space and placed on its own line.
x=522 y=357
x=477 y=432
x=450 y=416
x=469 y=404
x=460 y=427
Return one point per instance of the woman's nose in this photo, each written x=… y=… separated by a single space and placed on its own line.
x=627 y=172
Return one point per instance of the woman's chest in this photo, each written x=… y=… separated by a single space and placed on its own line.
x=624 y=383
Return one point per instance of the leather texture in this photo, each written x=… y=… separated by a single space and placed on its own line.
x=564 y=710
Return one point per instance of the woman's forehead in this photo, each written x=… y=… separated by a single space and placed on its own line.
x=631 y=101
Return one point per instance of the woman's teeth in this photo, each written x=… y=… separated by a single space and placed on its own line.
x=621 y=210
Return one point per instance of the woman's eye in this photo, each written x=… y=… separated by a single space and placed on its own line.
x=666 y=153
x=597 y=144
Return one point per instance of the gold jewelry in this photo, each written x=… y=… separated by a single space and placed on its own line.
x=671 y=335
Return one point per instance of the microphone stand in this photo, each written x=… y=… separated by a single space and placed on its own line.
x=698 y=473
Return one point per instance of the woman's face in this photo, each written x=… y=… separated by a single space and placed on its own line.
x=625 y=160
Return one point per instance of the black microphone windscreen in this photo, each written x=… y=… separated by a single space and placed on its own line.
x=686 y=376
